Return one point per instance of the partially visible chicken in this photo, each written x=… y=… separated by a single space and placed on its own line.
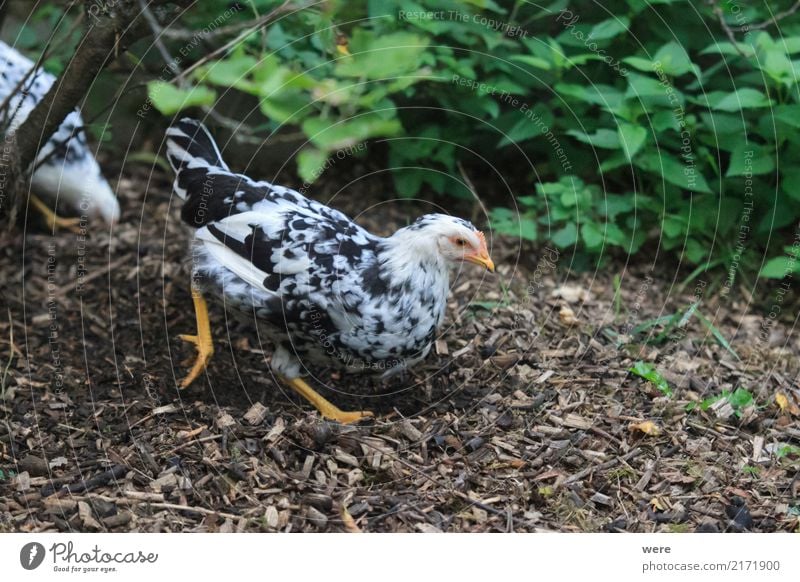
x=325 y=291
x=65 y=166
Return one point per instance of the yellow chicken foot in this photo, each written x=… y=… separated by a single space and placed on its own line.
x=53 y=219
x=202 y=341
x=326 y=409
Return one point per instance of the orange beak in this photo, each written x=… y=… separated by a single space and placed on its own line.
x=481 y=257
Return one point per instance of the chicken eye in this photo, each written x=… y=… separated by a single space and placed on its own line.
x=461 y=242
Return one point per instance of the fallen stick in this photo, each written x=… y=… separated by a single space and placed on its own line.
x=104 y=478
x=602 y=466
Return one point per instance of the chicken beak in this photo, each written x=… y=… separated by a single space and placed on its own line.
x=482 y=257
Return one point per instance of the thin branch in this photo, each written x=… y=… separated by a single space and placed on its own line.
x=185 y=34
x=255 y=25
x=34 y=70
x=158 y=32
x=727 y=29
x=105 y=37
x=10 y=355
x=770 y=21
x=478 y=206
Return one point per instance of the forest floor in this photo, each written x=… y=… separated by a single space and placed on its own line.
x=525 y=417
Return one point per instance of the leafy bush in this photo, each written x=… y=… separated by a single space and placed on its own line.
x=616 y=123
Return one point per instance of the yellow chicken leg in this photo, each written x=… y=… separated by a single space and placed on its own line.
x=325 y=408
x=202 y=341
x=53 y=219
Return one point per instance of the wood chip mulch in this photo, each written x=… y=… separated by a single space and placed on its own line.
x=525 y=417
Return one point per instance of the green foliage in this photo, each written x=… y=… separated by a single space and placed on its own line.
x=649 y=373
x=788 y=451
x=739 y=399
x=611 y=124
x=169 y=99
x=658 y=330
x=751 y=470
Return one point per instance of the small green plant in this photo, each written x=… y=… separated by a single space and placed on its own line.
x=676 y=323
x=788 y=451
x=648 y=372
x=617 y=296
x=751 y=470
x=739 y=399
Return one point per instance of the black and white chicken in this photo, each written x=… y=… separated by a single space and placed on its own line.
x=65 y=168
x=325 y=291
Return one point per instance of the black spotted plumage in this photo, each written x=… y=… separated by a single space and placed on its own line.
x=326 y=291
x=65 y=168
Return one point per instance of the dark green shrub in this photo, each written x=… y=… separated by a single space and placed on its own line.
x=621 y=123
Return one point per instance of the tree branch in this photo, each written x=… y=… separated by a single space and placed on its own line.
x=774 y=20
x=108 y=33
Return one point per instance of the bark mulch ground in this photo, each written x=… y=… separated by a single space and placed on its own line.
x=526 y=416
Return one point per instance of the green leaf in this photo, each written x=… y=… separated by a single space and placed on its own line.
x=779 y=267
x=788 y=114
x=602 y=138
x=532 y=61
x=791 y=44
x=592 y=235
x=382 y=56
x=674 y=61
x=526 y=128
x=674 y=226
x=229 y=72
x=662 y=120
x=639 y=63
x=750 y=158
x=284 y=81
x=169 y=99
x=329 y=135
x=408 y=181
x=740 y=398
x=717 y=335
x=615 y=204
x=310 y=162
x=566 y=237
x=727 y=48
x=685 y=175
x=631 y=137
x=613 y=162
x=610 y=28
x=506 y=221
x=284 y=108
x=790 y=182
x=788 y=450
x=651 y=92
x=744 y=98
x=724 y=123
x=614 y=235
x=776 y=64
x=606 y=96
x=648 y=372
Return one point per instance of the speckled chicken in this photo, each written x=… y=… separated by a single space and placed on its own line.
x=326 y=291
x=65 y=167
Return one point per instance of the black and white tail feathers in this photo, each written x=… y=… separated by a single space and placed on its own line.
x=191 y=152
x=211 y=192
x=202 y=179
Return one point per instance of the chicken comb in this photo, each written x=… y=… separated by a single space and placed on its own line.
x=482 y=237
